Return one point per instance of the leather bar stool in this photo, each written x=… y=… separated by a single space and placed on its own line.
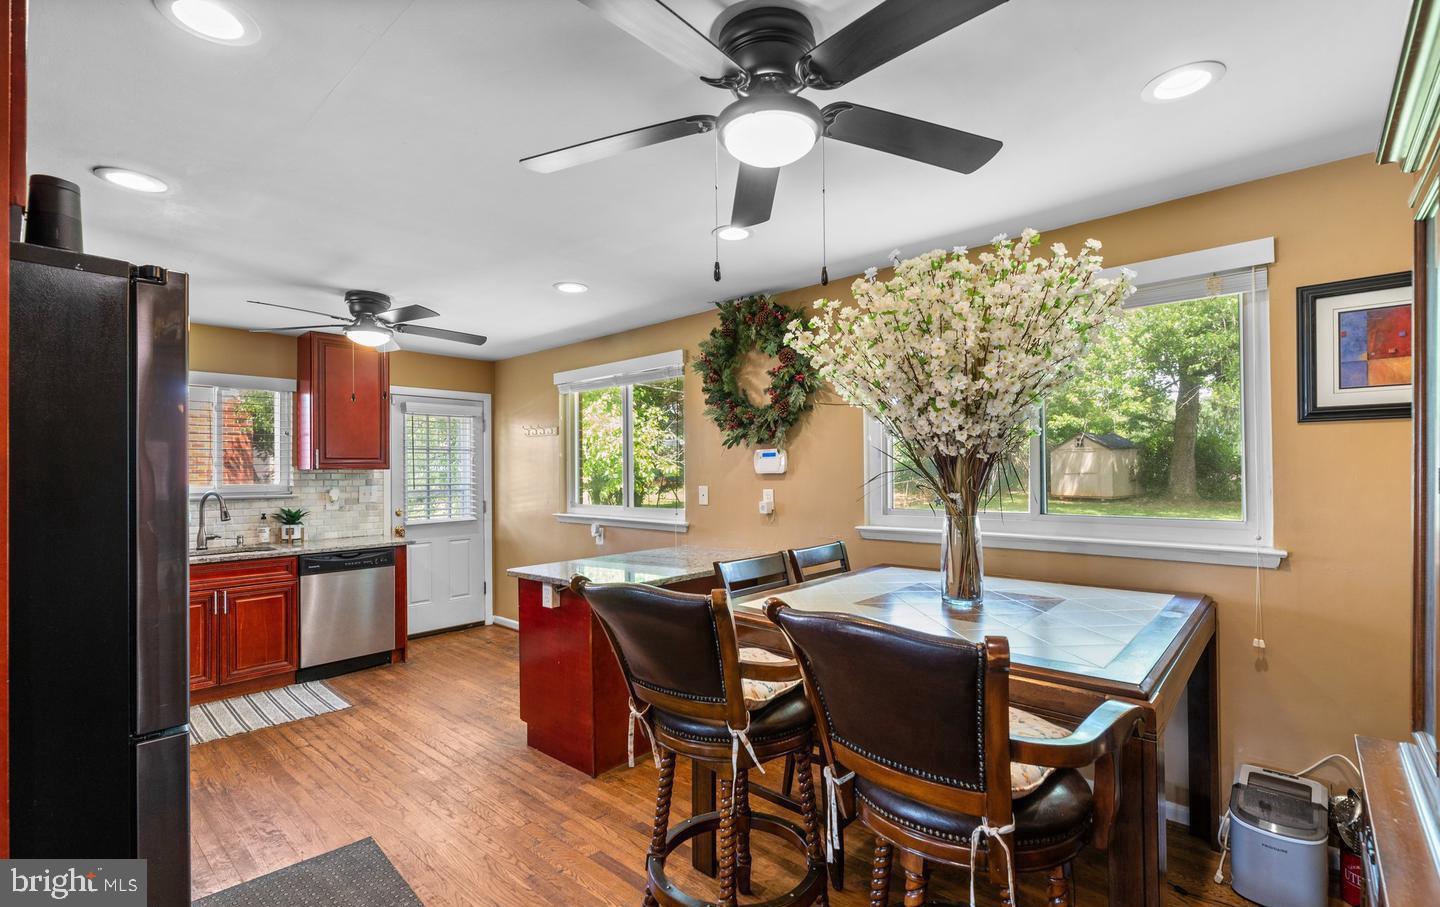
x=943 y=769
x=688 y=693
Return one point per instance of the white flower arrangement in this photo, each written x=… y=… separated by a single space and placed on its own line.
x=953 y=350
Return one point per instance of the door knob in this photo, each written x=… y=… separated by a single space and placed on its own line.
x=399 y=532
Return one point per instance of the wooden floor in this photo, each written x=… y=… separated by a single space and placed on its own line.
x=431 y=762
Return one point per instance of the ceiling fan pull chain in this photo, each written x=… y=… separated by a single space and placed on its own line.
x=715 y=233
x=824 y=225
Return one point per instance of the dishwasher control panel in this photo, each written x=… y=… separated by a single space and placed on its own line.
x=333 y=561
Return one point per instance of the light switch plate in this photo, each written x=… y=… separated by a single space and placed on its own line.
x=547 y=596
x=704 y=492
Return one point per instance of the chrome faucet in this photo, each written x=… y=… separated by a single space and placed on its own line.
x=202 y=541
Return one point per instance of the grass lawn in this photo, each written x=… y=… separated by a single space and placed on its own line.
x=1153 y=507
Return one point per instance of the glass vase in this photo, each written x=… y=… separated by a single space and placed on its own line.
x=961 y=560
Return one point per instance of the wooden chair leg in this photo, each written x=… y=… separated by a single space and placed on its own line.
x=917 y=877
x=880 y=874
x=726 y=843
x=810 y=815
x=663 y=793
x=1061 y=890
x=787 y=777
x=742 y=832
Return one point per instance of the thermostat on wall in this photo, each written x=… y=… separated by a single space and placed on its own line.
x=769 y=461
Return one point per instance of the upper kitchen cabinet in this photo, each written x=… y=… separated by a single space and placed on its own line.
x=342 y=413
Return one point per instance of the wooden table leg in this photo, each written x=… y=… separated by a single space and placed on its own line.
x=1136 y=874
x=702 y=800
x=1202 y=693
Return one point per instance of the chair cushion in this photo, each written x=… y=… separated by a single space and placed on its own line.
x=783 y=716
x=1059 y=809
x=1026 y=778
x=759 y=692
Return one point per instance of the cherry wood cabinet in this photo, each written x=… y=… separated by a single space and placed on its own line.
x=204 y=666
x=342 y=404
x=244 y=627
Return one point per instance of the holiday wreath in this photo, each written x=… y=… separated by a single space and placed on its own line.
x=754 y=324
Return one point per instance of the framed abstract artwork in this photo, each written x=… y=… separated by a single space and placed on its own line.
x=1355 y=348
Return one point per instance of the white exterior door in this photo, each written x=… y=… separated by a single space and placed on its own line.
x=437 y=495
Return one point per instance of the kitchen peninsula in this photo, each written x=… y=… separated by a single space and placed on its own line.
x=572 y=696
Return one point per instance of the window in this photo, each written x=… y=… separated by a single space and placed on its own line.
x=440 y=473
x=239 y=435
x=1158 y=447
x=626 y=442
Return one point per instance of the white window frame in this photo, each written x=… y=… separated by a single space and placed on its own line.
x=285 y=466
x=625 y=375
x=1249 y=542
x=475 y=413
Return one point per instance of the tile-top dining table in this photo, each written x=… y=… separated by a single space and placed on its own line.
x=1071 y=648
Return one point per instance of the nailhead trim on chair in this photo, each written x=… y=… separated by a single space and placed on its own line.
x=965 y=839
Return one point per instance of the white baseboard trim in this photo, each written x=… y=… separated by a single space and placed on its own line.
x=1178 y=813
x=507 y=622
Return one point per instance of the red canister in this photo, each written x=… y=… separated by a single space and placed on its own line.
x=1352 y=878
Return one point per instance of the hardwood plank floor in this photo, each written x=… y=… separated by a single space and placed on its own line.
x=431 y=761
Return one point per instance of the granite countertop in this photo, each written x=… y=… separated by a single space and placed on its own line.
x=656 y=566
x=219 y=553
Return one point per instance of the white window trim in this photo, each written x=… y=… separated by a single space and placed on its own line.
x=1247 y=543
x=285 y=489
x=623 y=374
x=463 y=410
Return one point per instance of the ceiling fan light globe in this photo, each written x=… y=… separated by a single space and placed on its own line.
x=770 y=130
x=368 y=334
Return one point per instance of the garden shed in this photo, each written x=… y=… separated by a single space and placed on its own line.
x=1094 y=467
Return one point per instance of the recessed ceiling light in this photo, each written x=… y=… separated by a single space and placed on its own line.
x=133 y=180
x=213 y=20
x=1182 y=81
x=731 y=233
x=571 y=286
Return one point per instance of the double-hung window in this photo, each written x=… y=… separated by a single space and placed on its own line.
x=1159 y=447
x=239 y=434
x=625 y=442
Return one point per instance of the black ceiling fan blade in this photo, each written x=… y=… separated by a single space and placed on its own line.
x=892 y=133
x=441 y=334
x=611 y=145
x=407 y=313
x=893 y=28
x=754 y=195
x=664 y=31
x=276 y=305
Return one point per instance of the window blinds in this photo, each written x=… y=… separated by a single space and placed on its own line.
x=629 y=371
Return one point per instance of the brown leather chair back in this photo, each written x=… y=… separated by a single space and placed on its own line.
x=753 y=574
x=803 y=560
x=925 y=716
x=677 y=651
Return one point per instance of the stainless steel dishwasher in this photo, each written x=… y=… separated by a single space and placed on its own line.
x=347 y=611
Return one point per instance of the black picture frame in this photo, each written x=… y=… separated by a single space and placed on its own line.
x=1305 y=301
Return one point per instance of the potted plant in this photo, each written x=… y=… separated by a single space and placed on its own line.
x=292 y=527
x=951 y=354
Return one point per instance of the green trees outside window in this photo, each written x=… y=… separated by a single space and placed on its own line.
x=656 y=455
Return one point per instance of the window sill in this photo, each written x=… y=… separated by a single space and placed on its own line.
x=1190 y=552
x=658 y=524
x=243 y=495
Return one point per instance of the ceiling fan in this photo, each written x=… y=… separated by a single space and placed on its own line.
x=374 y=323
x=766 y=56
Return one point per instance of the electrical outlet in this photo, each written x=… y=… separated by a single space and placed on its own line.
x=704 y=492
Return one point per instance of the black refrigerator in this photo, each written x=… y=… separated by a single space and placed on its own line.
x=99 y=677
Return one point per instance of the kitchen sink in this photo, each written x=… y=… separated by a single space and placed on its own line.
x=232 y=549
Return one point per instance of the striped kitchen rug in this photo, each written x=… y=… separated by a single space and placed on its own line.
x=242 y=714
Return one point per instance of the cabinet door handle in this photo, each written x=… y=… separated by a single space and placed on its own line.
x=225 y=602
x=214 y=602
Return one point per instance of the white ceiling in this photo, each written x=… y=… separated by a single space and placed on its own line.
x=373 y=144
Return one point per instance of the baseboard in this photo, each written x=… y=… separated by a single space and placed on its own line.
x=1178 y=813
x=508 y=622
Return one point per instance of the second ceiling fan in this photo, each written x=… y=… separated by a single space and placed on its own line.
x=765 y=57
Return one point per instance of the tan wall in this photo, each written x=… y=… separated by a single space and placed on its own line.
x=237 y=352
x=1337 y=612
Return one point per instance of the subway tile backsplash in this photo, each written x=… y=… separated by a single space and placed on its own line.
x=358 y=508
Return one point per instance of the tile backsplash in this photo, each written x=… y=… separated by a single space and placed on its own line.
x=358 y=508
